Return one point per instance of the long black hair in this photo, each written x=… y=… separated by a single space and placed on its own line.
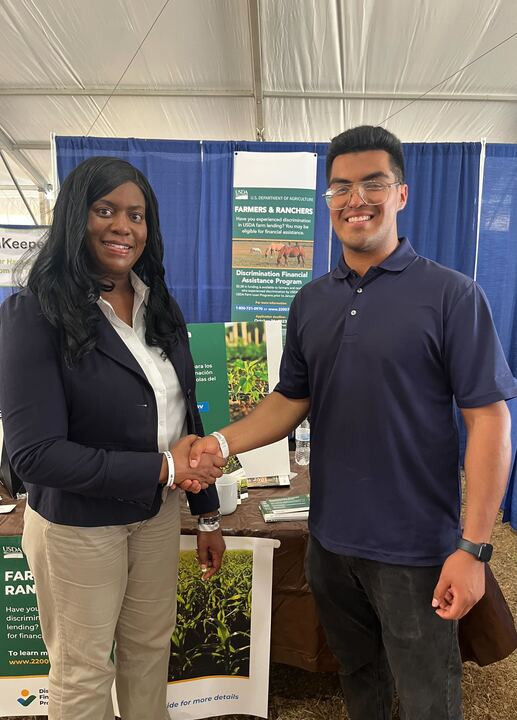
x=63 y=276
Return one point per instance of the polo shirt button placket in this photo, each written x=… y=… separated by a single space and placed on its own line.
x=358 y=291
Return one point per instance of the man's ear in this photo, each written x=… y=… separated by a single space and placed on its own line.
x=402 y=196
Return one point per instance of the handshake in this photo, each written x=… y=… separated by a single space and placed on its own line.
x=197 y=462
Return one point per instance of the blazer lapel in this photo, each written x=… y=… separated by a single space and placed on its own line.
x=111 y=344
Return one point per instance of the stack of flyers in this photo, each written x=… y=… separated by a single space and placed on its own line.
x=287 y=508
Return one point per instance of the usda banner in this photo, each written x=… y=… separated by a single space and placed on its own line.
x=23 y=658
x=273 y=231
x=219 y=662
x=14 y=243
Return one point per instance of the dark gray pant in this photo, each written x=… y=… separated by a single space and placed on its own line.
x=382 y=629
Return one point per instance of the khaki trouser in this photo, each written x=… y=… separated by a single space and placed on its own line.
x=100 y=584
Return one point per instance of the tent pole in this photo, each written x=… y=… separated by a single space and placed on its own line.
x=256 y=67
x=18 y=187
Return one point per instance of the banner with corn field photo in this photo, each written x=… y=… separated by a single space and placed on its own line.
x=237 y=364
x=274 y=198
x=220 y=649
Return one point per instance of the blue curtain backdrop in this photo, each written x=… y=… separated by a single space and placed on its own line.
x=441 y=216
x=497 y=270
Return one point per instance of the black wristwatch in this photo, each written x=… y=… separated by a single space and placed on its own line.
x=482 y=552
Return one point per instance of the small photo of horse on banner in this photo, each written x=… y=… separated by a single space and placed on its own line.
x=265 y=254
x=296 y=252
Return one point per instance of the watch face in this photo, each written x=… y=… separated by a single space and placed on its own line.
x=486 y=552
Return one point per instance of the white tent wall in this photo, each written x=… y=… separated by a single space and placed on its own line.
x=187 y=69
x=12 y=208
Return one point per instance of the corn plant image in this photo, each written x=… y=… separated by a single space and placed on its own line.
x=246 y=359
x=213 y=627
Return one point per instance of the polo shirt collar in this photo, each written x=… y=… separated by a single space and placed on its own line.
x=399 y=259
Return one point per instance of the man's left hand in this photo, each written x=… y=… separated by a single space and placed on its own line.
x=460 y=585
x=210 y=551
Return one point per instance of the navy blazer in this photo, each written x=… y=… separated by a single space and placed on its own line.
x=84 y=440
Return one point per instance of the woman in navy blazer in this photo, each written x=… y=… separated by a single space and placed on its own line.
x=92 y=353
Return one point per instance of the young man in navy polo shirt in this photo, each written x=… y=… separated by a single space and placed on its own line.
x=376 y=351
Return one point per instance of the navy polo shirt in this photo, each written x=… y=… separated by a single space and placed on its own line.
x=382 y=357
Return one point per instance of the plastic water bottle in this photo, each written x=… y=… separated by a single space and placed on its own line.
x=302 y=435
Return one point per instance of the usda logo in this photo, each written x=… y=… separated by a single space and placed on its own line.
x=11 y=553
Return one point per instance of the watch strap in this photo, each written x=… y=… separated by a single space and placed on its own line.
x=482 y=551
x=209 y=524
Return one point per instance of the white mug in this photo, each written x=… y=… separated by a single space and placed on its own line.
x=227 y=490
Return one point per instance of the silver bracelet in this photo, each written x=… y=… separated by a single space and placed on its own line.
x=225 y=450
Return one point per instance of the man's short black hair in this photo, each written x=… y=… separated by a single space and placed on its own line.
x=367 y=137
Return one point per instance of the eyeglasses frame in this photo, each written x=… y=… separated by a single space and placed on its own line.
x=328 y=194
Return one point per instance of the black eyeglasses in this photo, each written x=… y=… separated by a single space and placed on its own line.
x=370 y=192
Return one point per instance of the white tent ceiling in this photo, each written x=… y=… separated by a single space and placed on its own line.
x=223 y=69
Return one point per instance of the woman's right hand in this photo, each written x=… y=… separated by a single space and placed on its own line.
x=199 y=478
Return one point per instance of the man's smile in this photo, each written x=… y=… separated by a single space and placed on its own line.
x=359 y=218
